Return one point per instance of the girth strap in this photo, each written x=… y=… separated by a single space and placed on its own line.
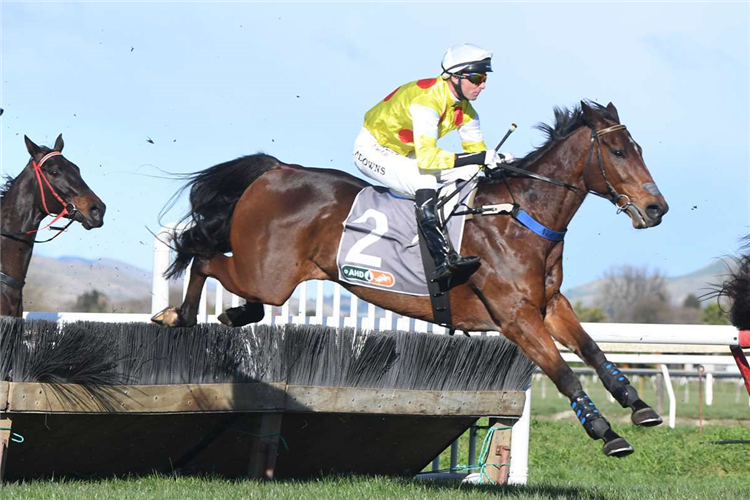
x=439 y=297
x=522 y=216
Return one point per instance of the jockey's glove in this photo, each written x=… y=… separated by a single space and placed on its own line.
x=489 y=158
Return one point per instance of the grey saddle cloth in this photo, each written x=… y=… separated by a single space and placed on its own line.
x=379 y=246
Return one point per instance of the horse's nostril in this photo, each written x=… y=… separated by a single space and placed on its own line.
x=654 y=211
x=95 y=212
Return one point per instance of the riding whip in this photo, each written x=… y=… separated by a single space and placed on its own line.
x=513 y=127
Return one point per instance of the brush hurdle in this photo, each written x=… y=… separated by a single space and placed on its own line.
x=117 y=399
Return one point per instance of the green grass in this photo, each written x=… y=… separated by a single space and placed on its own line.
x=564 y=463
x=561 y=450
x=636 y=488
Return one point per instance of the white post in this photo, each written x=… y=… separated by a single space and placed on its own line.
x=386 y=323
x=219 y=305
x=319 y=303
x=159 y=284
x=267 y=315
x=284 y=317
x=203 y=305
x=403 y=323
x=351 y=320
x=369 y=322
x=670 y=393
x=519 y=445
x=335 y=319
x=301 y=316
x=709 y=389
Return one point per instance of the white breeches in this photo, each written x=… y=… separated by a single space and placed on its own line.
x=398 y=172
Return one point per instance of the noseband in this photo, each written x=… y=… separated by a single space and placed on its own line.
x=614 y=196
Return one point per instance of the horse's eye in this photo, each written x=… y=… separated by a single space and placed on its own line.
x=618 y=153
x=54 y=173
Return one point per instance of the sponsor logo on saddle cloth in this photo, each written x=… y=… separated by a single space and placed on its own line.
x=379 y=247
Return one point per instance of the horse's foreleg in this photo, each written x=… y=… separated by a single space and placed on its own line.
x=530 y=333
x=565 y=327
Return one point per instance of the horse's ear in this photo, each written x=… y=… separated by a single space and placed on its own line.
x=613 y=111
x=588 y=113
x=59 y=144
x=33 y=149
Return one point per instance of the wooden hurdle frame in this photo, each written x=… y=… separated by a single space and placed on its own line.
x=430 y=421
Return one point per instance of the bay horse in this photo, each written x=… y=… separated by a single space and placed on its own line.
x=283 y=223
x=50 y=184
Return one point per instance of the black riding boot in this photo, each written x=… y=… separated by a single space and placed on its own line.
x=447 y=261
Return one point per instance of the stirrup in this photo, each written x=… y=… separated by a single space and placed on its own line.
x=455 y=264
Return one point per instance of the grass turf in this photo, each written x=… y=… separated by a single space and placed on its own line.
x=668 y=464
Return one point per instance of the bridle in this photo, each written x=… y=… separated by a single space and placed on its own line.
x=68 y=209
x=41 y=177
x=614 y=196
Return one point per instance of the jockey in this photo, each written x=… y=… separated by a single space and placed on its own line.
x=398 y=143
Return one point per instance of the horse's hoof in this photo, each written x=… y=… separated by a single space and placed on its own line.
x=617 y=448
x=166 y=317
x=646 y=417
x=224 y=318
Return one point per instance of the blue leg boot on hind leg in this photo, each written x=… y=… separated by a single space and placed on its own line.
x=625 y=394
x=597 y=427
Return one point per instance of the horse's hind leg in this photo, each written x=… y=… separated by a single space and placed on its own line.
x=528 y=331
x=564 y=326
x=222 y=268
x=187 y=313
x=249 y=312
x=218 y=267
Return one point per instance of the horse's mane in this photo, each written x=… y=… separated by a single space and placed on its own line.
x=567 y=121
x=6 y=187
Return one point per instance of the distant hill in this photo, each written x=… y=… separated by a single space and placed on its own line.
x=697 y=282
x=54 y=285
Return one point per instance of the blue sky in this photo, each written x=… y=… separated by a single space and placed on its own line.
x=210 y=82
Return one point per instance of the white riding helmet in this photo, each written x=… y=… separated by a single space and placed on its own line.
x=466 y=58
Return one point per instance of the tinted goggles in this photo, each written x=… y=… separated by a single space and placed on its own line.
x=475 y=78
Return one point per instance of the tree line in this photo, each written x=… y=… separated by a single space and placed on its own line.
x=630 y=294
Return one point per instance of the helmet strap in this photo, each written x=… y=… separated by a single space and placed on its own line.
x=457 y=88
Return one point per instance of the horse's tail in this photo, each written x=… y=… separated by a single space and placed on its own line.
x=214 y=192
x=737 y=289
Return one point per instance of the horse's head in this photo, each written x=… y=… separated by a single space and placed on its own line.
x=616 y=170
x=60 y=186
